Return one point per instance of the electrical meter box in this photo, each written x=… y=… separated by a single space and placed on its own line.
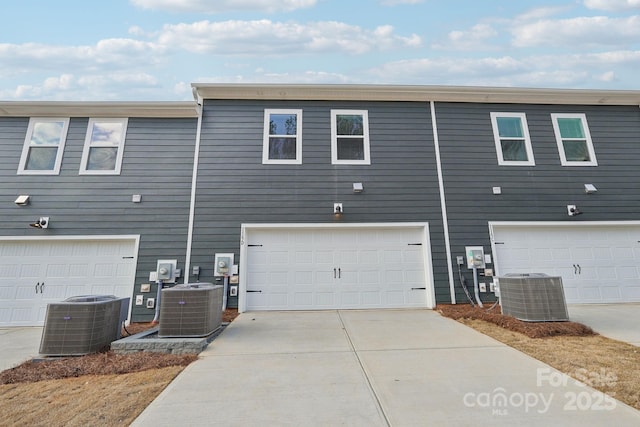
x=475 y=256
x=166 y=270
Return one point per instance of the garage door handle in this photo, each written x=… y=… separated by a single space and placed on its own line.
x=334 y=273
x=249 y=290
x=37 y=284
x=418 y=289
x=42 y=288
x=339 y=274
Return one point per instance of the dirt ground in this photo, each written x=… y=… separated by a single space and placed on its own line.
x=610 y=366
x=103 y=389
x=107 y=390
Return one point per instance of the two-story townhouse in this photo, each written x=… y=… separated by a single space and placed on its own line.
x=324 y=196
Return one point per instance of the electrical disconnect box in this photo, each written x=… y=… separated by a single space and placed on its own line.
x=475 y=256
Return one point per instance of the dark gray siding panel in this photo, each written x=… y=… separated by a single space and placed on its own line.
x=540 y=192
x=234 y=187
x=157 y=163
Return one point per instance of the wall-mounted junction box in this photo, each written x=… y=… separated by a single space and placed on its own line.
x=139 y=299
x=151 y=302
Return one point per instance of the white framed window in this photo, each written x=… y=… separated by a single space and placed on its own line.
x=103 y=147
x=282 y=143
x=350 y=137
x=513 y=143
x=574 y=140
x=43 y=146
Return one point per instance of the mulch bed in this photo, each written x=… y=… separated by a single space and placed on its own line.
x=530 y=329
x=105 y=363
x=92 y=364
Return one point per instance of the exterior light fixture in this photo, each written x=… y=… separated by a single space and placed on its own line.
x=338 y=210
x=22 y=200
x=590 y=188
x=358 y=187
x=573 y=210
x=42 y=222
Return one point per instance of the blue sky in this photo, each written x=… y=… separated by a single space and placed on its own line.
x=154 y=49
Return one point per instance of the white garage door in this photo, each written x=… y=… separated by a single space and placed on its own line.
x=329 y=268
x=597 y=263
x=34 y=273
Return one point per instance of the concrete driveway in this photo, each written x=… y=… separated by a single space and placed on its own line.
x=18 y=345
x=372 y=368
x=618 y=321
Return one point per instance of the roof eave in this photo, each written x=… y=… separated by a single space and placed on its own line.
x=497 y=95
x=98 y=109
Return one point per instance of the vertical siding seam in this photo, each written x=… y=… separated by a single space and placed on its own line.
x=192 y=203
x=443 y=203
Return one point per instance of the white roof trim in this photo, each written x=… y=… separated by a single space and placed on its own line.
x=415 y=93
x=98 y=109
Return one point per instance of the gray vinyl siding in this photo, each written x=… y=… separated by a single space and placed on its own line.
x=157 y=163
x=540 y=192
x=234 y=187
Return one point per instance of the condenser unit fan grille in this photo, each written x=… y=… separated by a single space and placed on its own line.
x=190 y=310
x=82 y=325
x=533 y=297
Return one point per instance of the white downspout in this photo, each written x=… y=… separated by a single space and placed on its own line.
x=192 y=207
x=443 y=203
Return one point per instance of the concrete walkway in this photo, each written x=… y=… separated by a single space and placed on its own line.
x=372 y=368
x=617 y=321
x=18 y=345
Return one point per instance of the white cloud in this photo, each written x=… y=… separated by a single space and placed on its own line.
x=612 y=5
x=102 y=87
x=540 y=13
x=477 y=37
x=118 y=53
x=578 y=32
x=609 y=76
x=533 y=71
x=218 y=6
x=265 y=37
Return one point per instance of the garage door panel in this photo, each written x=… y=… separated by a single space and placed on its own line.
x=623 y=253
x=627 y=273
x=597 y=263
x=610 y=292
x=324 y=257
x=631 y=293
x=351 y=268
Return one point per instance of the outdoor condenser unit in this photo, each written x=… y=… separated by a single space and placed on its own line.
x=533 y=297
x=82 y=324
x=190 y=310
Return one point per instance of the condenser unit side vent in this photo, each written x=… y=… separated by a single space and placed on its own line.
x=190 y=310
x=82 y=325
x=533 y=297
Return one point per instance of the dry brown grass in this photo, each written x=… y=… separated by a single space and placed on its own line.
x=103 y=389
x=107 y=400
x=607 y=365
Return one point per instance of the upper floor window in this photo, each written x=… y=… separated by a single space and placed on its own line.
x=282 y=142
x=43 y=146
x=574 y=140
x=103 y=147
x=511 y=135
x=350 y=137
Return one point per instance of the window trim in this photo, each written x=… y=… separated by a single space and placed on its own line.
x=26 y=148
x=526 y=137
x=88 y=146
x=365 y=136
x=587 y=137
x=266 y=135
